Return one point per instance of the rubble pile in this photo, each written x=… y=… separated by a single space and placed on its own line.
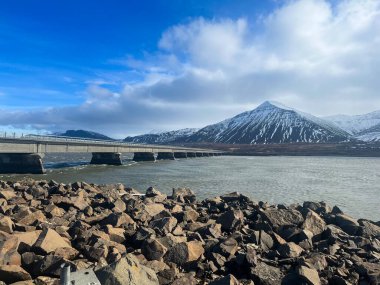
x=128 y=238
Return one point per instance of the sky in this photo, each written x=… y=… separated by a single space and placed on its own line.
x=129 y=67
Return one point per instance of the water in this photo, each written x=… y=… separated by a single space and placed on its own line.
x=351 y=183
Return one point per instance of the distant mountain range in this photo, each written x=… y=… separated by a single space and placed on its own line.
x=84 y=134
x=272 y=122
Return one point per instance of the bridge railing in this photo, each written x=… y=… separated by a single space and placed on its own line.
x=54 y=138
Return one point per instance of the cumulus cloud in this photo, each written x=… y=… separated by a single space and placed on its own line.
x=309 y=54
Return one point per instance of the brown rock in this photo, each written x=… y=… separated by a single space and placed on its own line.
x=27 y=238
x=119 y=219
x=6 y=225
x=49 y=240
x=153 y=249
x=314 y=223
x=115 y=234
x=7 y=194
x=32 y=218
x=68 y=253
x=231 y=220
x=127 y=271
x=228 y=247
x=13 y=273
x=185 y=252
x=347 y=224
x=8 y=252
x=282 y=217
x=289 y=250
x=45 y=280
x=226 y=280
x=183 y=195
x=309 y=275
x=164 y=225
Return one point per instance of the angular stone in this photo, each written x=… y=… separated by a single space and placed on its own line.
x=153 y=249
x=282 y=217
x=115 y=234
x=7 y=194
x=8 y=252
x=28 y=238
x=127 y=271
x=184 y=252
x=119 y=219
x=6 y=225
x=231 y=220
x=165 y=225
x=289 y=250
x=226 y=280
x=265 y=274
x=369 y=229
x=45 y=280
x=314 y=223
x=228 y=247
x=347 y=224
x=68 y=253
x=49 y=240
x=212 y=230
x=13 y=273
x=183 y=195
x=33 y=218
x=309 y=275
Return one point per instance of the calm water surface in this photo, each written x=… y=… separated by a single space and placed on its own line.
x=351 y=183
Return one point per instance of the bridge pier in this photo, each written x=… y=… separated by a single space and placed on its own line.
x=165 y=155
x=21 y=163
x=143 y=156
x=206 y=154
x=199 y=154
x=110 y=158
x=180 y=154
x=191 y=154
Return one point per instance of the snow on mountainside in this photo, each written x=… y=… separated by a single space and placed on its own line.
x=370 y=135
x=163 y=137
x=355 y=124
x=270 y=122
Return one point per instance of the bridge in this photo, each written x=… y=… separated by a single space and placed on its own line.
x=24 y=154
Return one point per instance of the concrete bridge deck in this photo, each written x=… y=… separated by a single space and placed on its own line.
x=24 y=154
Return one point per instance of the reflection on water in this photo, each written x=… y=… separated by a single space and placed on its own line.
x=351 y=183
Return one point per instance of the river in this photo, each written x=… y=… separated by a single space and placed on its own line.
x=351 y=183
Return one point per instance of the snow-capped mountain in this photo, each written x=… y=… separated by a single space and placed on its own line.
x=163 y=137
x=356 y=124
x=270 y=122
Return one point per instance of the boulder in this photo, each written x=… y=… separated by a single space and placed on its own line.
x=153 y=249
x=32 y=218
x=164 y=225
x=226 y=280
x=127 y=271
x=289 y=250
x=8 y=252
x=7 y=194
x=228 y=247
x=310 y=275
x=231 y=220
x=184 y=252
x=13 y=273
x=369 y=229
x=6 y=225
x=346 y=223
x=118 y=219
x=265 y=274
x=282 y=217
x=314 y=223
x=183 y=195
x=49 y=240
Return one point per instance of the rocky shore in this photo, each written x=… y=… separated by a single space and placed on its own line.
x=127 y=238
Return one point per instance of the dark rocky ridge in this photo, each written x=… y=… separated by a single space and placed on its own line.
x=84 y=134
x=155 y=239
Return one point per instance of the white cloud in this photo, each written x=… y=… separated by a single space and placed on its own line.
x=309 y=54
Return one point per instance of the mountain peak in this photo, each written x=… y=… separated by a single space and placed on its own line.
x=273 y=104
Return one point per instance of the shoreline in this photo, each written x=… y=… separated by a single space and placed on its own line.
x=176 y=239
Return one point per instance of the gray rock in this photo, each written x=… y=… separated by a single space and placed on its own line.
x=282 y=217
x=265 y=274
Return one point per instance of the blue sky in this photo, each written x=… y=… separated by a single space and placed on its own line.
x=127 y=67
